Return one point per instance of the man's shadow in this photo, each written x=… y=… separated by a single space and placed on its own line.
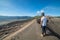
x=50 y=32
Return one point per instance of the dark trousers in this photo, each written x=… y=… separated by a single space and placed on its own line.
x=43 y=29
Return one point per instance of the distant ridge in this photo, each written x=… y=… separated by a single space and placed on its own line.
x=3 y=18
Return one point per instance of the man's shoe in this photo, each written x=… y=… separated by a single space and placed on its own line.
x=42 y=35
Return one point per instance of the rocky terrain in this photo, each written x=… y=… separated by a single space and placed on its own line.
x=9 y=28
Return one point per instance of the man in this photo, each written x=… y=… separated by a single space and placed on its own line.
x=43 y=24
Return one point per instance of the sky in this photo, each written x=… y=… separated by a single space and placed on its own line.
x=29 y=7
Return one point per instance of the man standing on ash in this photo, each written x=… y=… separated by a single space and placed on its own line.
x=44 y=21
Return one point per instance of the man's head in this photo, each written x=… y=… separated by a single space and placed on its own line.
x=42 y=14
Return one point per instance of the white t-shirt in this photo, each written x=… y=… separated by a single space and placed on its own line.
x=44 y=21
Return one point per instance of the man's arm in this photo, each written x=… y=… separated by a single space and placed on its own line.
x=41 y=21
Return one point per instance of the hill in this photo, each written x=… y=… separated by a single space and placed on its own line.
x=3 y=18
x=8 y=19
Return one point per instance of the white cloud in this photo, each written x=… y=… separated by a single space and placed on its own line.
x=51 y=10
x=42 y=11
x=38 y=11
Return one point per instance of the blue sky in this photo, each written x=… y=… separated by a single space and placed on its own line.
x=29 y=7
